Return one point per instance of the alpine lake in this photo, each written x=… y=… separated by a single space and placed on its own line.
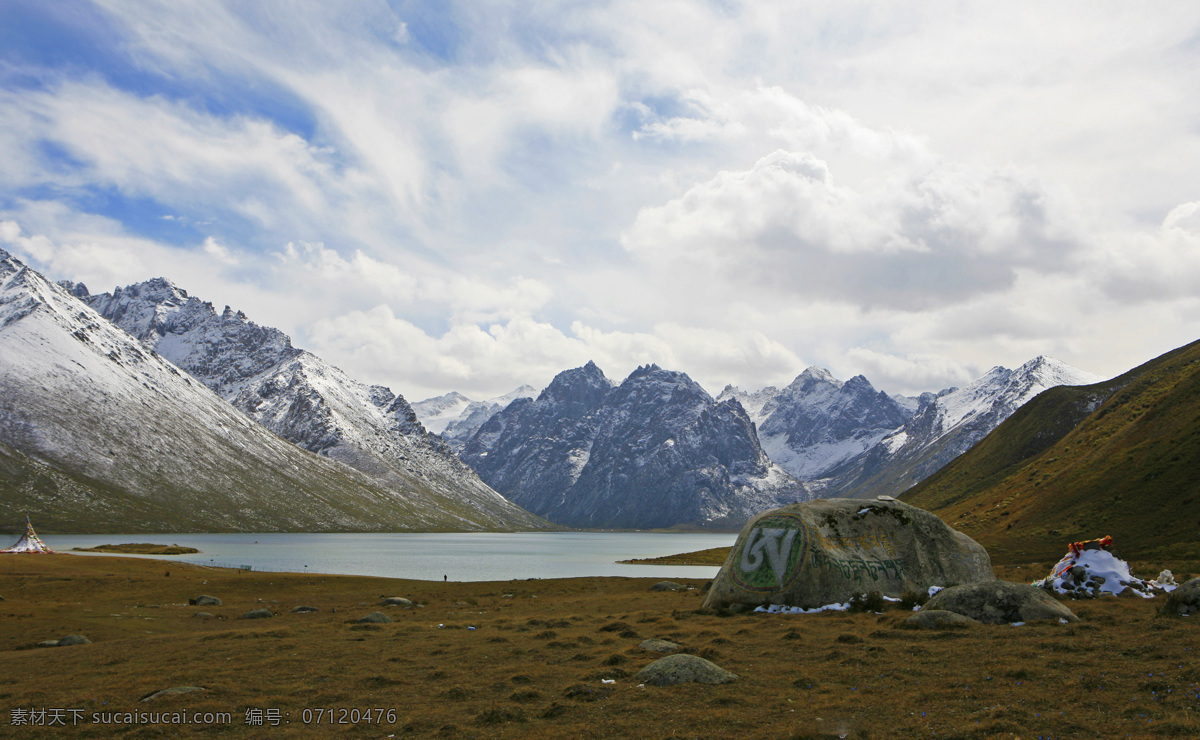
x=431 y=557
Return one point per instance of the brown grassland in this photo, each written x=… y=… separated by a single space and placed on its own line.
x=535 y=662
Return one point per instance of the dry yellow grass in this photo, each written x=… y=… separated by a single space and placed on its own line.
x=534 y=663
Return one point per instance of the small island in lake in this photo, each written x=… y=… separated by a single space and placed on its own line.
x=140 y=548
x=712 y=556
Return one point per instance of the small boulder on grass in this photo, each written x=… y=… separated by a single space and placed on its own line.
x=683 y=668
x=304 y=610
x=667 y=586
x=937 y=619
x=66 y=641
x=172 y=692
x=659 y=646
x=397 y=601
x=375 y=618
x=205 y=601
x=1000 y=602
x=1184 y=601
x=257 y=614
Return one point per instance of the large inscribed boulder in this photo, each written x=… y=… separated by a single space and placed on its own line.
x=825 y=551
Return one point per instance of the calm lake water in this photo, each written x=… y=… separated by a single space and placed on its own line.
x=429 y=557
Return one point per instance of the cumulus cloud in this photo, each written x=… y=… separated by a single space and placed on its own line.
x=477 y=198
x=923 y=239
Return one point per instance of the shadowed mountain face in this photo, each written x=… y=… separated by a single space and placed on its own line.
x=654 y=451
x=307 y=401
x=1113 y=458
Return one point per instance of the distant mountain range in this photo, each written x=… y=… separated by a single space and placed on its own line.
x=1116 y=458
x=146 y=409
x=456 y=418
x=100 y=431
x=821 y=437
x=654 y=451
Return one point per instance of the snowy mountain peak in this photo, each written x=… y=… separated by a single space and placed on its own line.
x=813 y=377
x=1049 y=372
x=306 y=400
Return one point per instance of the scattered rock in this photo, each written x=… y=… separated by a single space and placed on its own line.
x=1000 y=602
x=1183 y=601
x=375 y=618
x=667 y=586
x=73 y=640
x=397 y=601
x=683 y=668
x=257 y=614
x=659 y=646
x=48 y=643
x=826 y=551
x=937 y=619
x=202 y=615
x=172 y=691
x=305 y=610
x=205 y=601
x=585 y=692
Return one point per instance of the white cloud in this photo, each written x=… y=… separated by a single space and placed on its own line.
x=923 y=238
x=481 y=199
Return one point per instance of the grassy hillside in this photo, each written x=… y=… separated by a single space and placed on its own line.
x=1120 y=457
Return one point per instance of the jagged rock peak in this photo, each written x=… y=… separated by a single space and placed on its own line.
x=813 y=376
x=79 y=290
x=645 y=370
x=651 y=379
x=582 y=385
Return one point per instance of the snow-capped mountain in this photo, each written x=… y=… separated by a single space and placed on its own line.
x=435 y=413
x=99 y=434
x=653 y=451
x=456 y=417
x=944 y=426
x=818 y=422
x=306 y=400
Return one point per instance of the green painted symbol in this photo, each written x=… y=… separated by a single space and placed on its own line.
x=770 y=556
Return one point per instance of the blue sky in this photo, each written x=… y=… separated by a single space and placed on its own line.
x=472 y=196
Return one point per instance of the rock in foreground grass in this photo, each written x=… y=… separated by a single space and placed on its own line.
x=1000 y=602
x=676 y=669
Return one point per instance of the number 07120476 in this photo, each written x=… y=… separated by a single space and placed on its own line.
x=347 y=716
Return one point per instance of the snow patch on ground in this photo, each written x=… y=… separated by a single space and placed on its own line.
x=1094 y=573
x=784 y=609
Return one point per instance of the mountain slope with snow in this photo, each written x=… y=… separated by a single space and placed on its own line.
x=945 y=426
x=654 y=451
x=818 y=422
x=307 y=401
x=455 y=417
x=1116 y=458
x=98 y=434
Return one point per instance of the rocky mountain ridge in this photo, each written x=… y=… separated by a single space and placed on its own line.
x=1077 y=462
x=944 y=426
x=653 y=451
x=305 y=400
x=99 y=434
x=456 y=417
